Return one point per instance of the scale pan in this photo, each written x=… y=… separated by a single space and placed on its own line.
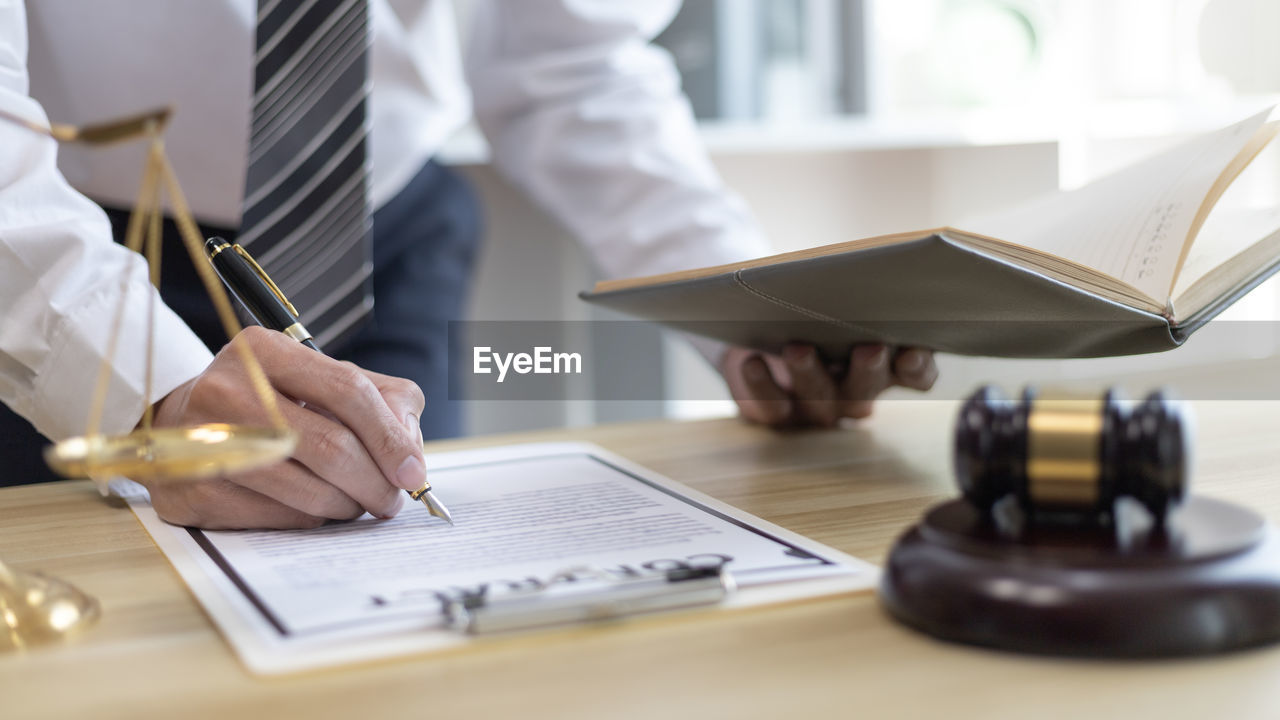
x=160 y=453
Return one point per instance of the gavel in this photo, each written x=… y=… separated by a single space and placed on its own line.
x=1075 y=511
x=1070 y=458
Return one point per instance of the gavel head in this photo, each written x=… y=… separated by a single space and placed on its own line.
x=1071 y=456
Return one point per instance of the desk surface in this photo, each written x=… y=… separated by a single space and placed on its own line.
x=155 y=653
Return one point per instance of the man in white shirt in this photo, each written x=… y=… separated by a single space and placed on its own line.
x=580 y=111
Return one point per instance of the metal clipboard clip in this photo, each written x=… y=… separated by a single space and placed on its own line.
x=608 y=599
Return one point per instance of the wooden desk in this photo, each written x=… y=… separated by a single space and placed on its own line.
x=154 y=653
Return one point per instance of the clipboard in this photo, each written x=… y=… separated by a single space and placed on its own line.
x=276 y=632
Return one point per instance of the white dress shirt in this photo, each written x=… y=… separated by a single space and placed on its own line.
x=579 y=110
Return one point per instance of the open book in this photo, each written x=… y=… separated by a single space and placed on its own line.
x=1131 y=263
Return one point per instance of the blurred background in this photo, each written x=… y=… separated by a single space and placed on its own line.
x=840 y=119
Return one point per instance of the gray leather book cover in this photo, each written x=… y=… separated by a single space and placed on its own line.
x=930 y=291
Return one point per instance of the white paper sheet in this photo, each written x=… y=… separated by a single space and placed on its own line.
x=293 y=600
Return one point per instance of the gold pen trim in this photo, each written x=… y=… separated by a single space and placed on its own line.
x=222 y=245
x=297 y=332
x=266 y=279
x=429 y=500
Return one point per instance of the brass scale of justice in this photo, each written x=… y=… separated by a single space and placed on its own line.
x=36 y=608
x=1073 y=535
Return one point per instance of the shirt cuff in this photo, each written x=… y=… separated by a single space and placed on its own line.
x=65 y=386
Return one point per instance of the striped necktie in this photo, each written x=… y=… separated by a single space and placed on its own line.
x=306 y=215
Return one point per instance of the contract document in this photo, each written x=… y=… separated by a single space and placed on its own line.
x=527 y=517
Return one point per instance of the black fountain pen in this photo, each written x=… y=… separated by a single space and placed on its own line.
x=251 y=286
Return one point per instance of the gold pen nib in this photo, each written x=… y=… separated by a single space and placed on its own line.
x=434 y=506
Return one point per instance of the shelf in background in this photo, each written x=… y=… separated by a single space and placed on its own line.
x=944 y=129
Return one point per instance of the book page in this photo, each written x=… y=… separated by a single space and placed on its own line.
x=1233 y=245
x=525 y=516
x=1131 y=225
x=1237 y=241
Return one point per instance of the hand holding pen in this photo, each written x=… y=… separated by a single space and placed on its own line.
x=360 y=446
x=260 y=296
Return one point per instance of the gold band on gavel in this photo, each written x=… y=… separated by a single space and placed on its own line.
x=1064 y=442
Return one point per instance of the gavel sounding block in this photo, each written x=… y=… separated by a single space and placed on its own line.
x=1208 y=582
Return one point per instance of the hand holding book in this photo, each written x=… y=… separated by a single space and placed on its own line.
x=797 y=388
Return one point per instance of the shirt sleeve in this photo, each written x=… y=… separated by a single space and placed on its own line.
x=587 y=116
x=63 y=282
